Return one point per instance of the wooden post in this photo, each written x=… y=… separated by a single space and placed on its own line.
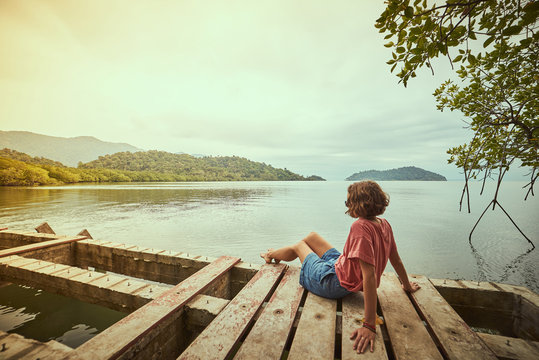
x=85 y=232
x=44 y=228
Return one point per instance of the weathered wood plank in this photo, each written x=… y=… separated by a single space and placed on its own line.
x=315 y=335
x=44 y=228
x=138 y=326
x=457 y=340
x=14 y=346
x=38 y=246
x=51 y=350
x=409 y=337
x=485 y=305
x=511 y=348
x=275 y=321
x=353 y=311
x=526 y=314
x=218 y=339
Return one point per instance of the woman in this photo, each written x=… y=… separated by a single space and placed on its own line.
x=370 y=244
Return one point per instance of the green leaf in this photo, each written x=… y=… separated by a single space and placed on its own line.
x=401 y=49
x=512 y=30
x=389 y=44
x=409 y=12
x=458 y=58
x=472 y=36
x=488 y=41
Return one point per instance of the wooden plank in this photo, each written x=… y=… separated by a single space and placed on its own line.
x=511 y=348
x=315 y=335
x=225 y=331
x=408 y=336
x=85 y=232
x=44 y=228
x=37 y=246
x=139 y=325
x=275 y=322
x=456 y=338
x=14 y=346
x=353 y=311
x=50 y=350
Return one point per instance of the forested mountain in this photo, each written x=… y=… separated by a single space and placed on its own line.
x=207 y=168
x=68 y=151
x=408 y=173
x=21 y=169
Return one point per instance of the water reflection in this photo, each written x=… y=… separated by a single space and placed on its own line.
x=43 y=316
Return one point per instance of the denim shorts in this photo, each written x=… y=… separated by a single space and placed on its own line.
x=318 y=275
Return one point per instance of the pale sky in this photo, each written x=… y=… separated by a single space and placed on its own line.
x=295 y=84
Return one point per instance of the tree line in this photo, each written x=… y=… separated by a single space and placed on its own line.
x=19 y=169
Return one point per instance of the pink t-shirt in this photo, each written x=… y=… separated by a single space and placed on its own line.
x=370 y=242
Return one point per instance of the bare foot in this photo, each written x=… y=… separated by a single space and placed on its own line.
x=266 y=256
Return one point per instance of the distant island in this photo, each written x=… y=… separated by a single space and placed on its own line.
x=408 y=173
x=20 y=169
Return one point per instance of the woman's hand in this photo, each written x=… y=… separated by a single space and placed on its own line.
x=363 y=337
x=412 y=287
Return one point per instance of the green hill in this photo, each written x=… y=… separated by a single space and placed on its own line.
x=206 y=168
x=17 y=168
x=69 y=151
x=408 y=173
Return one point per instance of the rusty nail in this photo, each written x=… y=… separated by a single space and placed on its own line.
x=128 y=283
x=207 y=301
x=89 y=274
x=151 y=290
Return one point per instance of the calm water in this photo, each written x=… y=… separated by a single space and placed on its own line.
x=244 y=218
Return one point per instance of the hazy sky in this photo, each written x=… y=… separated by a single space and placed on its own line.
x=296 y=84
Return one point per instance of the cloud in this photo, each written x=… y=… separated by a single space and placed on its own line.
x=302 y=85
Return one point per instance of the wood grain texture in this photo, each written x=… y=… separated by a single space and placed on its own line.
x=268 y=337
x=353 y=310
x=137 y=326
x=409 y=337
x=458 y=341
x=220 y=336
x=315 y=335
x=511 y=348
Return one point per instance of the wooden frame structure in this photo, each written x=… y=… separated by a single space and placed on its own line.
x=193 y=307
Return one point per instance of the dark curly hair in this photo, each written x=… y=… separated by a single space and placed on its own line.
x=366 y=199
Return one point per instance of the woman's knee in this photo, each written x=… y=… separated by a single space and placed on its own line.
x=310 y=236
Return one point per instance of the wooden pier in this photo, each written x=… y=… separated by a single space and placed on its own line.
x=182 y=306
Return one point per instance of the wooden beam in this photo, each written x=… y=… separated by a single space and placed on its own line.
x=353 y=310
x=315 y=335
x=482 y=305
x=409 y=337
x=275 y=322
x=511 y=348
x=223 y=333
x=15 y=346
x=41 y=245
x=85 y=232
x=456 y=338
x=44 y=228
x=139 y=328
x=109 y=290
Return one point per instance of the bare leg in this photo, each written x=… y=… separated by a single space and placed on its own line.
x=312 y=243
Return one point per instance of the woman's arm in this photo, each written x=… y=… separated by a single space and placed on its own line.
x=397 y=264
x=363 y=336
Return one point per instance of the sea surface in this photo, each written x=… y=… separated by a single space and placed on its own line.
x=245 y=218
